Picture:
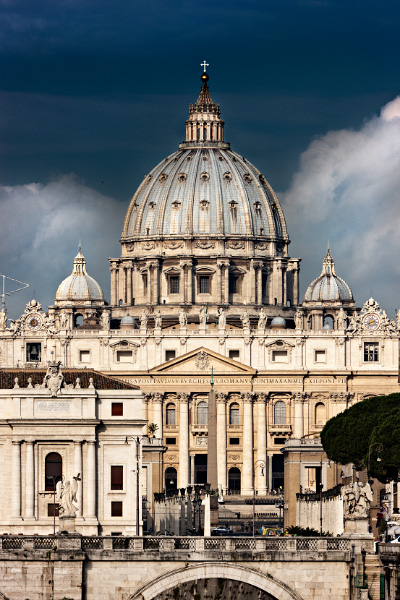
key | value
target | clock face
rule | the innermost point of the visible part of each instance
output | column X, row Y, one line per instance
column 371, row 321
column 34, row 322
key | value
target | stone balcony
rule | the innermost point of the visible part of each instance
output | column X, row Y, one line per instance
column 282, row 546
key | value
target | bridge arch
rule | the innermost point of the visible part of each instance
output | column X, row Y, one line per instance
column 232, row 571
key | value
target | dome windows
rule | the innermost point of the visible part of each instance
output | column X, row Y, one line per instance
column 227, row 176
column 162, row 177
column 182, row 177
column 204, row 177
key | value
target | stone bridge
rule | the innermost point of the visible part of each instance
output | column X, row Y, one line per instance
column 71, row 567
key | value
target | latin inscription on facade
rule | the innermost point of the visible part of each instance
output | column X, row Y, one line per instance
column 56, row 406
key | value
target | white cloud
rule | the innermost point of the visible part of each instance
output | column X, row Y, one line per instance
column 42, row 226
column 347, row 190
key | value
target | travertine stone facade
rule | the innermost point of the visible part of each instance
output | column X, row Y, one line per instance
column 68, row 432
column 205, row 287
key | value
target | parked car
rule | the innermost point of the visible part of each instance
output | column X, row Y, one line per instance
column 221, row 531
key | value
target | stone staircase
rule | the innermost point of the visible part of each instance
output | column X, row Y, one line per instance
column 373, row 569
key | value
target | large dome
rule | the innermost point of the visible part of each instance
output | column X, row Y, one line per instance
column 205, row 188
column 205, row 191
column 328, row 287
column 79, row 286
column 204, row 228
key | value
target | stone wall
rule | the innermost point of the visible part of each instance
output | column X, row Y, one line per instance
column 308, row 513
column 148, row 568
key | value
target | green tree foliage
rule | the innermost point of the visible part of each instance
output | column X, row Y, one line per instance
column 347, row 437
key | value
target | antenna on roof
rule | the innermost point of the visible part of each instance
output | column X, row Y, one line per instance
column 3, row 294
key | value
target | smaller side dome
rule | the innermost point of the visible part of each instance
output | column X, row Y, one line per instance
column 278, row 323
column 127, row 323
column 79, row 286
column 328, row 287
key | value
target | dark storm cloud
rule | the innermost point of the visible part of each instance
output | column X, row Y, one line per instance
column 101, row 89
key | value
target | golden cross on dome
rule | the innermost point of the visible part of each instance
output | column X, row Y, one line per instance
column 204, row 65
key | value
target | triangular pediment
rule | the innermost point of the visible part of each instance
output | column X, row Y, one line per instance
column 202, row 361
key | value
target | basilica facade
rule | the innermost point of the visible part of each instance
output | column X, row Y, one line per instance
column 206, row 295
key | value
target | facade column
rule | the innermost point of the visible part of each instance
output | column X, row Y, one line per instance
column 182, row 283
column 261, row 479
column 149, row 283
column 189, row 295
column 248, row 467
column 114, row 285
column 129, row 283
column 78, row 469
column 121, row 284
column 253, row 289
column 91, row 480
column 16, row 481
column 221, row 440
column 158, row 414
column 298, row 425
column 192, row 469
column 183, row 475
column 29, row 481
column 270, row 471
column 284, row 286
column 296, row 285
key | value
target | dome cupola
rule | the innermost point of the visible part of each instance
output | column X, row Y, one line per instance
column 204, row 227
column 328, row 287
column 79, row 287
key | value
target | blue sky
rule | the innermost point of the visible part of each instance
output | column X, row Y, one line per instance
column 94, row 94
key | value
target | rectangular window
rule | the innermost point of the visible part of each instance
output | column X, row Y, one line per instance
column 279, row 441
column 234, row 354
column 234, row 441
column 169, row 355
column 371, row 352
column 124, row 356
column 144, row 277
column 33, row 352
column 204, row 284
column 84, row 356
column 320, row 356
column 117, row 477
column 233, row 283
column 279, row 356
column 117, row 409
column 53, row 510
column 116, row 509
column 174, row 285
column 170, row 441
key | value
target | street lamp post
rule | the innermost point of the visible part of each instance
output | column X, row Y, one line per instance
column 379, row 449
column 138, row 441
column 262, row 467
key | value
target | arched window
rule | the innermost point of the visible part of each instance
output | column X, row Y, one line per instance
column 170, row 479
column 320, row 413
column 202, row 413
column 78, row 320
column 170, row 416
column 280, row 413
column 52, row 470
column 234, row 477
column 328, row 322
column 234, row 414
